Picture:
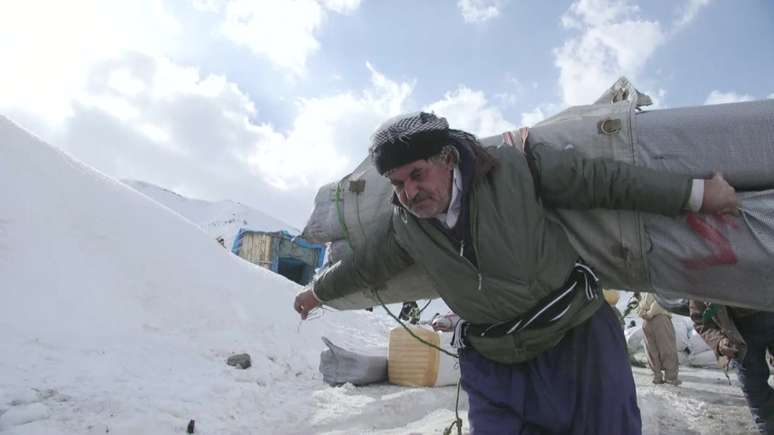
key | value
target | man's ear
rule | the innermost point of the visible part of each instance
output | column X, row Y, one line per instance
column 451, row 160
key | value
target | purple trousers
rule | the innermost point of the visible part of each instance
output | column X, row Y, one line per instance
column 583, row 385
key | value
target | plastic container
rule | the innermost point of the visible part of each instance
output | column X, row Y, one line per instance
column 413, row 363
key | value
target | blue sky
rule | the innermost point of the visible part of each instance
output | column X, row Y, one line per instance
column 264, row 101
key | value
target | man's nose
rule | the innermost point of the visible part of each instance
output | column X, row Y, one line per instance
column 410, row 189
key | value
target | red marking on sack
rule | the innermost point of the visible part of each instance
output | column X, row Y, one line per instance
column 724, row 220
column 508, row 138
column 722, row 252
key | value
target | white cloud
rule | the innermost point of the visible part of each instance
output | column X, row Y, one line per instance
column 208, row 5
column 539, row 113
column 476, row 11
column 162, row 117
column 341, row 6
column 97, row 80
column 687, row 12
column 658, row 98
column 208, row 120
column 281, row 30
column 507, row 99
column 514, row 92
column 326, row 132
column 469, row 110
column 717, row 97
column 771, row 95
column 529, row 119
column 597, row 13
column 147, row 118
column 613, row 42
column 49, row 47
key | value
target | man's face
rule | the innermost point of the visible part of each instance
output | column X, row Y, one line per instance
column 423, row 186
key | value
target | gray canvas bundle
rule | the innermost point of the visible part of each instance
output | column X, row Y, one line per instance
column 736, row 139
column 727, row 260
column 340, row 366
column 690, row 256
column 724, row 259
column 357, row 212
column 323, row 225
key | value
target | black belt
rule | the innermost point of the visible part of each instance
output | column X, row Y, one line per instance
column 550, row 309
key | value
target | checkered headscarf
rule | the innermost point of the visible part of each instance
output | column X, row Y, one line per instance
column 407, row 138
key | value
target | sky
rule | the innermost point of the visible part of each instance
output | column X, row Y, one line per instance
column 262, row 102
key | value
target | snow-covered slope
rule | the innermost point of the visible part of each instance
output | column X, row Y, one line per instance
column 218, row 219
column 117, row 313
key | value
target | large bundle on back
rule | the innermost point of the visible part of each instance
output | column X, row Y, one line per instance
column 724, row 259
column 353, row 215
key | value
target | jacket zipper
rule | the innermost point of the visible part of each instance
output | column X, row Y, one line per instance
column 462, row 254
column 478, row 273
column 473, row 215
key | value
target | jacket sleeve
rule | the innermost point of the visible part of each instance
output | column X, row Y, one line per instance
column 566, row 179
column 708, row 329
column 354, row 273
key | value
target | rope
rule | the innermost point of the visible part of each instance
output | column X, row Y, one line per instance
column 457, row 420
column 340, row 215
column 421, row 340
column 426, row 305
column 359, row 220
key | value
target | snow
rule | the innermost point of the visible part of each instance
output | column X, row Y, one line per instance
column 23, row 414
column 117, row 316
column 218, row 219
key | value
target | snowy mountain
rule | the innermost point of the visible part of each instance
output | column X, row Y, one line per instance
column 117, row 316
column 218, row 219
column 116, row 313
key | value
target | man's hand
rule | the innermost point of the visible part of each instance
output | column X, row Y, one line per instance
column 305, row 302
column 727, row 348
column 719, row 196
column 445, row 323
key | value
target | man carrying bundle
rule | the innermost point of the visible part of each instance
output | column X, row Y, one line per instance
column 540, row 350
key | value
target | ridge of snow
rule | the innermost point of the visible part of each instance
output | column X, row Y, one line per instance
column 114, row 309
column 219, row 218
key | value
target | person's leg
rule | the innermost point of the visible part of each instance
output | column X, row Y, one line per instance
column 602, row 378
column 490, row 386
column 753, row 371
column 667, row 347
column 651, row 349
column 582, row 386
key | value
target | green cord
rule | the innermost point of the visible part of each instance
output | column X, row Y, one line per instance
column 340, row 215
column 457, row 420
column 376, row 293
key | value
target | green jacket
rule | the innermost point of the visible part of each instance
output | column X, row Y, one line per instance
column 522, row 255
